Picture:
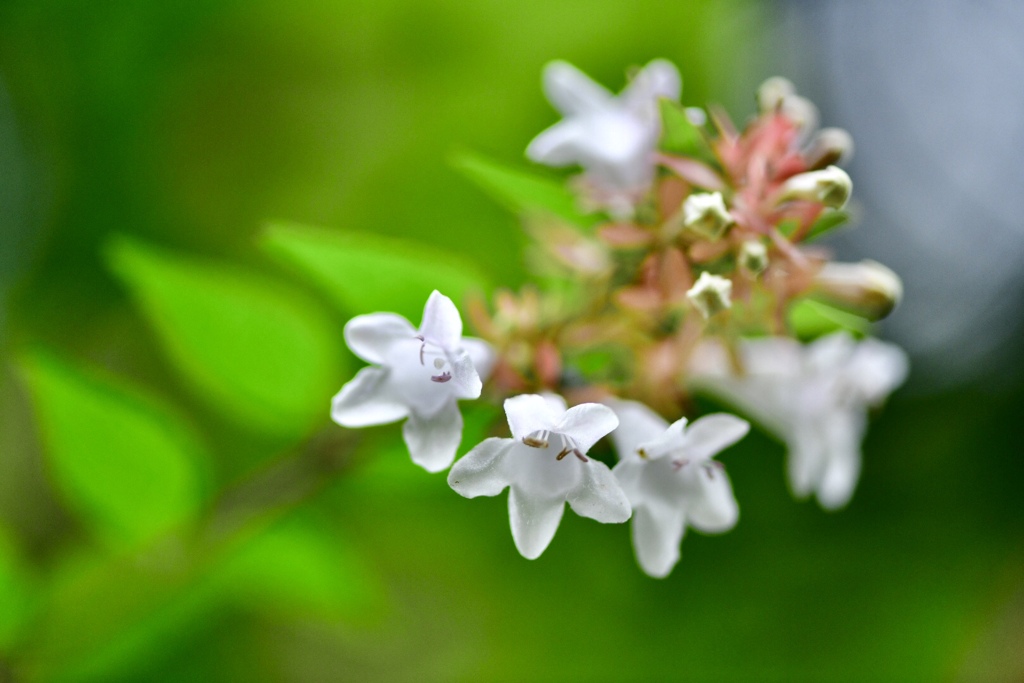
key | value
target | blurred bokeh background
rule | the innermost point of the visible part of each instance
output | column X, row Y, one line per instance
column 155, row 159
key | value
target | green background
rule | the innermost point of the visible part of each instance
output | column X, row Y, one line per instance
column 165, row 321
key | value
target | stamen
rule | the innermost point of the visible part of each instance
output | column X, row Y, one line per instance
column 442, row 378
column 423, row 347
column 538, row 439
column 438, row 363
column 565, row 452
column 680, row 464
column 579, row 455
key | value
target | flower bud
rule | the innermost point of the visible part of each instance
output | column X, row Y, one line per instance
column 831, row 187
column 753, row 257
column 830, row 146
column 710, row 294
column 705, row 214
column 867, row 288
column 773, row 92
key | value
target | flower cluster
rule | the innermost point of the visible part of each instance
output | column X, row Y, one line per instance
column 694, row 271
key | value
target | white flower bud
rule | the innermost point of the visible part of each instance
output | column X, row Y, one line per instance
column 753, row 257
column 831, row 187
column 830, row 146
column 868, row 288
column 710, row 294
column 773, row 92
column 705, row 214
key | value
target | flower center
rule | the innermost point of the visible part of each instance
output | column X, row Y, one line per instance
column 433, row 352
column 543, row 438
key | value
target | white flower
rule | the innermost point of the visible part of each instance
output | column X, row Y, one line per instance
column 544, row 465
column 815, row 398
column 710, row 294
column 830, row 186
column 671, row 481
column 705, row 214
column 612, row 138
column 422, row 374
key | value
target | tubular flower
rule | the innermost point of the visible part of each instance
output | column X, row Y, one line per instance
column 544, row 465
column 418, row 375
column 814, row 398
column 612, row 138
column 668, row 474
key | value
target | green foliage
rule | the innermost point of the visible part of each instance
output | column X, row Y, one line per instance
column 126, row 464
column 679, row 135
column 811, row 319
column 295, row 568
column 523, row 191
column 826, row 223
column 367, row 273
column 255, row 349
column 15, row 591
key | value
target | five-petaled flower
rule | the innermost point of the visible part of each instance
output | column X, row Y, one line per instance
column 421, row 375
column 544, row 465
column 815, row 398
column 612, row 138
column 671, row 481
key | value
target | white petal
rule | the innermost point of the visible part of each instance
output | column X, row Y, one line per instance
column 637, row 424
column 560, row 145
column 715, row 509
column 571, row 91
column 527, row 413
column 369, row 336
column 481, row 472
column 830, row 353
column 629, row 474
column 672, row 439
column 367, row 400
column 877, row 368
column 660, row 78
column 534, row 521
column 776, row 356
column 839, row 481
column 805, row 460
column 441, row 323
column 482, row 355
column 465, row 380
column 433, row 441
column 599, row 496
column 587, row 423
column 656, row 540
column 713, row 433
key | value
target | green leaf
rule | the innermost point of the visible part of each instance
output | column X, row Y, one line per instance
column 366, row 273
column 126, row 464
column 827, row 222
column 679, row 135
column 257, row 351
column 299, row 569
column 15, row 591
column 523, row 191
column 811, row 319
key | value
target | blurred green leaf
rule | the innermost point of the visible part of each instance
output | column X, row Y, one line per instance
column 255, row 349
column 15, row 591
column 679, row 135
column 299, row 569
column 811, row 319
column 126, row 464
column 523, row 191
column 826, row 223
column 366, row 273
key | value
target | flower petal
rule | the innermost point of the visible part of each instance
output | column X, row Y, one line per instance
column 839, row 481
column 877, row 368
column 482, row 354
column 660, row 78
column 637, row 424
column 586, row 423
column 672, row 439
column 572, row 92
column 599, row 496
column 656, row 540
column 714, row 509
column 713, row 433
column 441, row 323
column 560, row 145
column 481, row 472
column 367, row 400
column 629, row 474
column 432, row 441
column 534, row 521
column 527, row 413
column 369, row 336
column 465, row 380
